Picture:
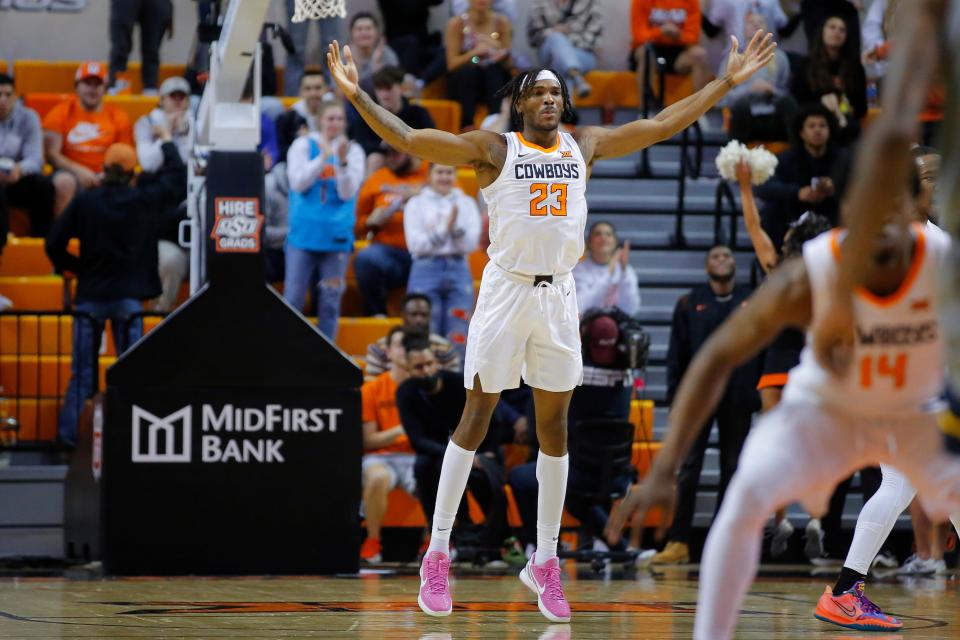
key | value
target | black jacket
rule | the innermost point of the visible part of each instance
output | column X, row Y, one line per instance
column 414, row 115
column 695, row 317
column 118, row 227
column 429, row 420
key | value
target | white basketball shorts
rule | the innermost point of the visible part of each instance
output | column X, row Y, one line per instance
column 521, row 330
column 800, row 450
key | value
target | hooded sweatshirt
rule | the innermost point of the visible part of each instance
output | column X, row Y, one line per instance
column 21, row 139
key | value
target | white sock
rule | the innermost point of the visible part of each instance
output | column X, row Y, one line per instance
column 877, row 518
column 552, row 480
column 457, row 463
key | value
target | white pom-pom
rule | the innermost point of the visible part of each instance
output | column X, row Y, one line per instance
column 762, row 162
column 762, row 165
column 729, row 157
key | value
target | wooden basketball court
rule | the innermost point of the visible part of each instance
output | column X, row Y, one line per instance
column 487, row 606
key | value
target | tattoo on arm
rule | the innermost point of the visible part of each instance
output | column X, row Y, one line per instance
column 387, row 125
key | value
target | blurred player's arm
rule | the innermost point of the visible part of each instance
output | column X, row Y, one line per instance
column 471, row 148
column 880, row 174
column 599, row 142
column 782, row 301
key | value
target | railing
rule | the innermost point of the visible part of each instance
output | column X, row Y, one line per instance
column 688, row 167
column 36, row 348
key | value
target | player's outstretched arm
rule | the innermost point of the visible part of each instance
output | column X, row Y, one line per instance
column 434, row 145
column 637, row 135
column 782, row 301
column 881, row 171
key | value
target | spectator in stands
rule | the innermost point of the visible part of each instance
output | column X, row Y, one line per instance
column 155, row 18
column 761, row 109
column 416, row 314
column 477, row 44
column 118, row 226
column 78, row 131
column 388, row 91
column 442, row 226
column 325, row 171
column 806, row 174
column 815, row 12
column 566, row 33
column 388, row 457
column 877, row 29
column 330, row 29
column 419, row 51
column 605, row 278
column 301, row 118
column 22, row 183
column 672, row 28
column 371, row 53
column 728, row 18
column 385, row 263
column 834, row 76
column 695, row 317
column 431, row 402
column 171, row 119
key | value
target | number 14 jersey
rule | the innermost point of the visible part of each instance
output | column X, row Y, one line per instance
column 538, row 207
column 897, row 367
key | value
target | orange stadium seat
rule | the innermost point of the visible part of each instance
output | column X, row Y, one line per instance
column 478, row 261
column 445, row 113
column 37, row 418
column 3, row 66
column 33, row 293
column 641, row 416
column 51, row 76
column 354, row 334
column 467, row 181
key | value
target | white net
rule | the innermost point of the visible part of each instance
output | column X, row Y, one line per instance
column 317, row 9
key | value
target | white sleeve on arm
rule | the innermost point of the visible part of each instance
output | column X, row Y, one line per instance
column 590, row 292
column 302, row 172
column 350, row 178
column 149, row 152
column 420, row 240
column 872, row 29
column 629, row 291
column 468, row 225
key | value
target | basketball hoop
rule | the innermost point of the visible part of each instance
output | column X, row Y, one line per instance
column 318, row 9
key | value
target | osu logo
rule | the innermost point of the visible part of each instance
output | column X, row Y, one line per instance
column 157, row 439
column 236, row 228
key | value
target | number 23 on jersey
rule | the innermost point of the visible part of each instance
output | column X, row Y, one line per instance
column 548, row 198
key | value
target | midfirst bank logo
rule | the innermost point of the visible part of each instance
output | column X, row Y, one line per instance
column 230, row 434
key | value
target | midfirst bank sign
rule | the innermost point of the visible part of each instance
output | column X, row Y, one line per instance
column 229, row 434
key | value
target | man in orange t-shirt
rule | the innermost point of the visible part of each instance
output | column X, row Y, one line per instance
column 673, row 28
column 388, row 459
column 385, row 263
column 78, row 131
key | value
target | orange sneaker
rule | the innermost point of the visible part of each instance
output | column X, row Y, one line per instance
column 370, row 551
column 854, row 610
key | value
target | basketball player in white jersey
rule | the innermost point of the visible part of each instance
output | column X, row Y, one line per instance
column 525, row 324
column 825, row 427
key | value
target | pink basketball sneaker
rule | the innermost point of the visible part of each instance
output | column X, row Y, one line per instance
column 544, row 580
column 434, row 598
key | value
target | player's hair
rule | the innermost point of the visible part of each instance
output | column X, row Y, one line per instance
column 360, row 15
column 6, row 79
column 716, row 245
column 810, row 111
column 410, row 297
column 806, row 227
column 918, row 151
column 518, row 88
column 388, row 77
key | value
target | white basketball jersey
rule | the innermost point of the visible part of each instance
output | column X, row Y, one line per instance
column 538, row 207
column 898, row 364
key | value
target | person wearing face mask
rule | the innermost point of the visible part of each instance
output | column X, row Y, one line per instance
column 325, row 171
column 442, row 226
column 430, row 403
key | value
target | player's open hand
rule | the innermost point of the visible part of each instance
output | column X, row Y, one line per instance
column 833, row 334
column 343, row 70
column 757, row 55
column 658, row 489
